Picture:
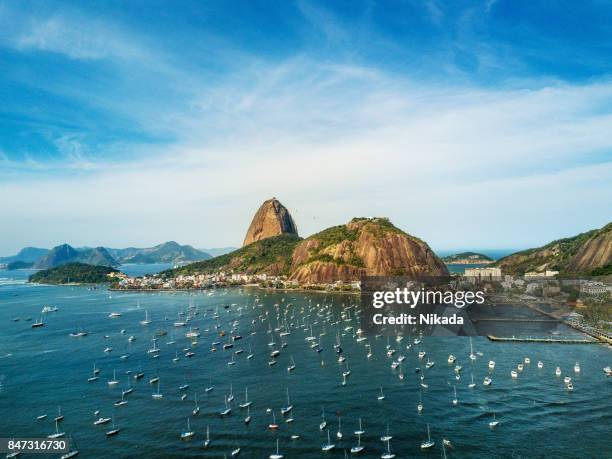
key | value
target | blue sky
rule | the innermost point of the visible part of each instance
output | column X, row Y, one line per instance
column 469, row 124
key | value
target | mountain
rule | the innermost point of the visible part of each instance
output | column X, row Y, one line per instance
column 467, row 258
column 215, row 252
column 271, row 219
column 19, row 265
column 168, row 252
column 27, row 254
column 587, row 253
column 73, row 273
column 65, row 253
column 271, row 255
column 364, row 246
column 371, row 246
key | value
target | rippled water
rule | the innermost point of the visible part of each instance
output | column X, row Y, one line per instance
column 43, row 368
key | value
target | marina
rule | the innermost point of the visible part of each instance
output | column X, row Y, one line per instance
column 332, row 391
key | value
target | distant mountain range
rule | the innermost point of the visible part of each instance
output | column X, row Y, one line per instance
column 168, row 252
column 65, row 253
column 27, row 255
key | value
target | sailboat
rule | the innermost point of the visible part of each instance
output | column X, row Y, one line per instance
column 196, row 410
column 227, row 410
column 381, row 396
column 289, row 407
column 94, row 376
column 387, row 436
column 329, row 445
column 455, row 401
column 207, row 441
column 323, row 423
column 494, row 422
column 231, row 395
column 472, row 384
column 59, row 416
column 273, row 425
column 487, row 381
column 339, row 433
column 57, row 433
column 429, row 443
column 577, row 368
column 121, row 402
column 113, row 381
column 360, row 431
column 72, row 452
column 420, row 405
column 291, row 366
column 188, row 433
column 472, row 355
column 114, row 430
column 247, row 419
column 157, row 395
column 210, row 387
column 276, row 455
column 146, row 321
column 246, row 403
column 358, row 447
column 388, row 454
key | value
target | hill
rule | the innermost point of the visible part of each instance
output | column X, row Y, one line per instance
column 467, row 258
column 587, row 253
column 79, row 273
column 19, row 265
column 271, row 219
column 168, row 252
column 270, row 256
column 364, row 246
column 27, row 254
column 65, row 253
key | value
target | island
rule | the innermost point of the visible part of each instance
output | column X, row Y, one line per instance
column 74, row 273
column 467, row 258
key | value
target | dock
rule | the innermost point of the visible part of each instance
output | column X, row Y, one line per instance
column 543, row 340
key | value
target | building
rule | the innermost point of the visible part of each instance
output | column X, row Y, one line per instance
column 484, row 273
column 594, row 288
column 545, row 275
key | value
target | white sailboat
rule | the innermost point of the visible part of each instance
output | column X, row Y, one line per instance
column 455, row 400
column 246, row 403
column 429, row 443
column 113, row 381
column 360, row 431
column 207, row 441
column 146, row 321
column 329, row 445
column 188, row 433
column 157, row 395
column 339, row 433
column 494, row 422
column 227, row 410
column 289, row 407
column 472, row 384
column 388, row 454
column 323, row 423
column 276, row 455
column 381, row 396
column 57, row 433
column 196, row 410
column 114, row 431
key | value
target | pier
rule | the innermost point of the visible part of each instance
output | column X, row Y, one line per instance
column 543, row 340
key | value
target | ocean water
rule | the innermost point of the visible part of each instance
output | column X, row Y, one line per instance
column 41, row 369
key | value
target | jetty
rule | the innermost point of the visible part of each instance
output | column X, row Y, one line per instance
column 514, row 339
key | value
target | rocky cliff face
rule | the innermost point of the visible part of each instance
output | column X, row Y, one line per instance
column 580, row 254
column 271, row 219
column 363, row 246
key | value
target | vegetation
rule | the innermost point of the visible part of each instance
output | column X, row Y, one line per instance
column 80, row 273
column 555, row 255
column 603, row 271
column 471, row 256
column 271, row 255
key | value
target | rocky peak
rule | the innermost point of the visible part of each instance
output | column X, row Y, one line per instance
column 271, row 219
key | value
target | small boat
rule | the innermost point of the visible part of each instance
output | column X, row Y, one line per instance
column 472, row 384
column 455, row 400
column 72, row 452
column 114, row 431
column 146, row 320
column 207, row 441
column 387, row 436
column 286, row 409
column 227, row 410
column 291, row 366
column 188, row 433
column 451, row 359
column 388, row 454
column 57, row 433
column 235, row 452
column 101, row 420
column 429, row 443
column 491, row 364
column 514, row 374
column 323, row 423
column 157, row 395
column 114, row 314
column 527, row 360
column 94, row 376
column 113, row 382
column 577, row 368
column 381, row 396
column 247, row 418
column 558, row 371
column 276, row 455
column 273, row 425
column 38, row 324
column 494, row 422
column 519, row 367
column 59, row 416
column 339, row 433
column 540, row 364
column 360, row 431
column 487, row 381
column 196, row 410
column 329, row 445
column 41, row 417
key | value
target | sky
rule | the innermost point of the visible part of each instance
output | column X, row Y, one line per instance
column 472, row 125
